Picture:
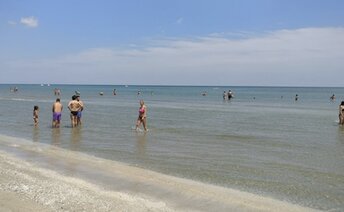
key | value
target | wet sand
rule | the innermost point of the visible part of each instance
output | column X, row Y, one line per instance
column 51, row 179
column 25, row 187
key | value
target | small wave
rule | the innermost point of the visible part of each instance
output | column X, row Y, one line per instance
column 27, row 100
column 23, row 100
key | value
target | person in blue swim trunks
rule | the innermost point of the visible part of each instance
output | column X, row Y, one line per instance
column 80, row 111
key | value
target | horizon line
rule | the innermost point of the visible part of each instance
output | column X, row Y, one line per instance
column 172, row 85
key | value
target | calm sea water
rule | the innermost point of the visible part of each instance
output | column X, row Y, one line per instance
column 262, row 141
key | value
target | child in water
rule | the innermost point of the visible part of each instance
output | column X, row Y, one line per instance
column 35, row 115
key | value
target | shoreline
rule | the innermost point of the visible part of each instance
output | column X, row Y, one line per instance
column 29, row 186
column 61, row 180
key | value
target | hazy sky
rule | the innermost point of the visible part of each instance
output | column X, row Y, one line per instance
column 176, row 42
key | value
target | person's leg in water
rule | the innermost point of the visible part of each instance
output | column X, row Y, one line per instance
column 144, row 123
column 78, row 119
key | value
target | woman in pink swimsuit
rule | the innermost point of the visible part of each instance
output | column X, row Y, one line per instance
column 142, row 116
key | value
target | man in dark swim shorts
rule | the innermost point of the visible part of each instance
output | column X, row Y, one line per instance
column 74, row 113
column 74, row 106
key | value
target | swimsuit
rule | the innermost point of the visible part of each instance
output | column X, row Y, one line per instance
column 57, row 116
column 141, row 112
column 74, row 113
column 79, row 114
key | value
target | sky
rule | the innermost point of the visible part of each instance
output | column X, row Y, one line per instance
column 173, row 42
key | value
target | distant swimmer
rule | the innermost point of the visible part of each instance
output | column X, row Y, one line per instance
column 204, row 93
column 296, row 97
column 14, row 90
column 57, row 92
column 101, row 93
column 57, row 112
column 224, row 95
column 333, row 97
column 341, row 113
column 142, row 116
column 35, row 115
column 74, row 106
column 230, row 94
column 138, row 92
column 114, row 92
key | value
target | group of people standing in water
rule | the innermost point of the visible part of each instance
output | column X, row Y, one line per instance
column 76, row 106
column 227, row 95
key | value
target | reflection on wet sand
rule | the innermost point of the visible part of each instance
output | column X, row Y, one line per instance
column 56, row 136
column 75, row 138
column 35, row 134
column 141, row 144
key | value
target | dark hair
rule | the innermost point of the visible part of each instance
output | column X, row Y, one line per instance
column 342, row 103
column 35, row 107
column 58, row 100
column 73, row 97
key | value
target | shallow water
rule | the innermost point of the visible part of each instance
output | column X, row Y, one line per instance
column 262, row 141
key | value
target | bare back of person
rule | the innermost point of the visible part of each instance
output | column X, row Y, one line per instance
column 57, row 113
column 57, row 107
column 74, row 107
column 81, row 104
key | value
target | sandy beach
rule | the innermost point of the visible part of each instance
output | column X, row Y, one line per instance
column 51, row 179
column 25, row 187
column 172, row 105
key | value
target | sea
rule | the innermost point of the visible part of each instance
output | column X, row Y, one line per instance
column 261, row 141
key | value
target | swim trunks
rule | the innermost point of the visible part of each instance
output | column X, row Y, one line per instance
column 74, row 113
column 57, row 116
